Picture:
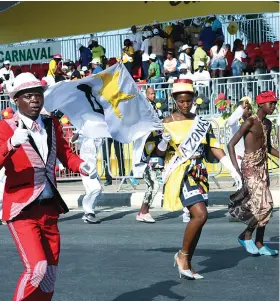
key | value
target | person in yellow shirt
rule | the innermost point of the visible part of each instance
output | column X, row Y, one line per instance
column 97, row 51
column 53, row 64
column 170, row 42
column 54, row 69
column 199, row 56
column 127, row 55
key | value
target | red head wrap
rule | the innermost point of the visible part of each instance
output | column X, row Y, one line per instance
column 264, row 97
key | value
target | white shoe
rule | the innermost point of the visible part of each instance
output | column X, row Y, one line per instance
column 146, row 218
column 186, row 217
column 197, row 276
column 186, row 273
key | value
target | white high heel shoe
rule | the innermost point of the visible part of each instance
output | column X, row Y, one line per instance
column 186, row 273
column 197, row 276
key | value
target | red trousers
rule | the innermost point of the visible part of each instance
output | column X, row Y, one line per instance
column 37, row 238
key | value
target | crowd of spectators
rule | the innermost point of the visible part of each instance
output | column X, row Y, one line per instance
column 189, row 49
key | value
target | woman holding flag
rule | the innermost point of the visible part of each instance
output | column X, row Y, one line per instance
column 188, row 140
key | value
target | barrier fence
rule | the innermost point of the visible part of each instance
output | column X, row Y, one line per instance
column 119, row 164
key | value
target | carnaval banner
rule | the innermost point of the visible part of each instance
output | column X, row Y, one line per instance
column 29, row 54
column 16, row 25
column 107, row 104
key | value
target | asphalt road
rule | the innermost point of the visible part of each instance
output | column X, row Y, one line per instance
column 124, row 260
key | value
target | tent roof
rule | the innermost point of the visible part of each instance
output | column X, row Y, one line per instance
column 49, row 19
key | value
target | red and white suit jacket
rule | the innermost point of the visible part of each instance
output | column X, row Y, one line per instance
column 26, row 171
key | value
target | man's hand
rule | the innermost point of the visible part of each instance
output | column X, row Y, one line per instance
column 20, row 135
column 87, row 169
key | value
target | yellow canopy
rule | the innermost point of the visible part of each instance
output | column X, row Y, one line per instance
column 32, row 20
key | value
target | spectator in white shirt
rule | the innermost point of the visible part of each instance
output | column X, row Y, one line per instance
column 170, row 66
column 145, row 52
column 239, row 56
column 218, row 59
column 202, row 76
column 157, row 46
column 7, row 76
column 234, row 122
column 136, row 40
column 185, row 72
column 185, row 57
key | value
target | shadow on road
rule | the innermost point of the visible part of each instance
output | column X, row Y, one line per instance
column 217, row 259
column 71, row 217
column 151, row 292
column 118, row 215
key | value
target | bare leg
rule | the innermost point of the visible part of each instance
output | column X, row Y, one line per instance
column 213, row 73
column 192, row 233
column 144, row 208
column 221, row 73
column 247, row 234
column 259, row 237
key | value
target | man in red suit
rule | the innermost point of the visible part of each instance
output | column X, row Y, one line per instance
column 29, row 146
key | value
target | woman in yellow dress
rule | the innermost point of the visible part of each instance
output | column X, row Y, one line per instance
column 189, row 139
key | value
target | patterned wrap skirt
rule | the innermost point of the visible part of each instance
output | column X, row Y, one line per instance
column 256, row 206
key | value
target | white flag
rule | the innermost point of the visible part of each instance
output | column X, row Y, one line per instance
column 107, row 104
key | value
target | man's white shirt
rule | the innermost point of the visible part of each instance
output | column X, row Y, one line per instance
column 40, row 139
column 136, row 40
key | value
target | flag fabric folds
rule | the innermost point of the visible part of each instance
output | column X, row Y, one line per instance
column 107, row 104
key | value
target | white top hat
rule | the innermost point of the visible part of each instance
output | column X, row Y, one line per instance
column 84, row 68
column 155, row 31
column 95, row 61
column 7, row 62
column 152, row 56
column 196, row 22
column 184, row 47
column 25, row 81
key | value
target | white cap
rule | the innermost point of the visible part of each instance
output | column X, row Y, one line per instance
column 64, row 67
column 155, row 31
column 152, row 56
column 82, row 73
column 145, row 34
column 186, row 46
column 149, row 33
column 69, row 73
column 183, row 66
column 95, row 61
column 84, row 68
column 208, row 24
column 211, row 16
column 79, row 45
column 196, row 21
column 155, row 23
column 7, row 62
column 201, row 64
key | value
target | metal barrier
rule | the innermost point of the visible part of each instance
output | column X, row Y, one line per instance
column 233, row 87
